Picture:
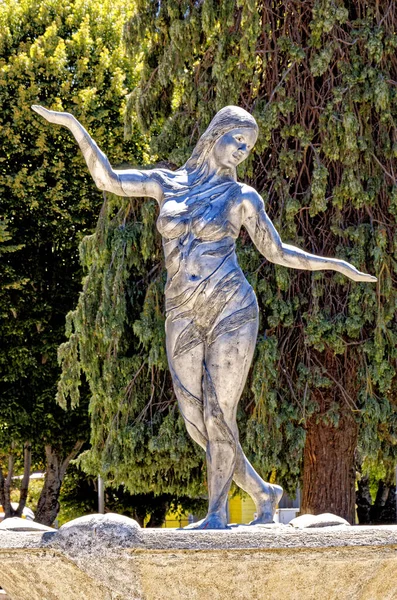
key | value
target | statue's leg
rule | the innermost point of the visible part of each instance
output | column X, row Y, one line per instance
column 187, row 373
column 228, row 361
column 265, row 495
column 187, row 376
column 204, row 420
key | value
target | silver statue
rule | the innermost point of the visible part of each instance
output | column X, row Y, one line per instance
column 212, row 312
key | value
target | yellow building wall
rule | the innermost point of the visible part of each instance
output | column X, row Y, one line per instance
column 175, row 519
column 235, row 509
column 241, row 509
column 248, row 509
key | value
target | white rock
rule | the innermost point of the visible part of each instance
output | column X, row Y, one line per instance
column 18, row 524
column 323, row 520
column 98, row 529
column 96, row 521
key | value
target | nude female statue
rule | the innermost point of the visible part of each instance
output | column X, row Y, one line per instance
column 212, row 312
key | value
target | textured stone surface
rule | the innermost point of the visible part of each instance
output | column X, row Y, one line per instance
column 98, row 560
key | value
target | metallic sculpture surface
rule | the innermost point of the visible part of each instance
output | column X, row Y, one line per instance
column 212, row 312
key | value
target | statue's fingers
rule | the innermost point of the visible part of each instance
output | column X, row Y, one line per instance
column 37, row 108
column 52, row 116
column 43, row 112
column 366, row 277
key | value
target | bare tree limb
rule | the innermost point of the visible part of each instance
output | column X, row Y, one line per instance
column 7, row 485
column 70, row 456
column 27, row 463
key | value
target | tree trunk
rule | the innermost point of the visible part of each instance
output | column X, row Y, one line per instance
column 2, row 490
column 383, row 510
column 23, row 494
column 139, row 514
column 48, row 504
column 157, row 516
column 388, row 514
column 363, row 501
column 384, row 505
column 6, row 483
column 8, row 510
column 329, row 467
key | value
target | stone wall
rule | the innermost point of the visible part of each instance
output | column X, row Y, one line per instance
column 112, row 559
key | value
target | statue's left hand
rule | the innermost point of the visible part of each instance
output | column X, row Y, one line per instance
column 363, row 277
column 354, row 274
column 53, row 116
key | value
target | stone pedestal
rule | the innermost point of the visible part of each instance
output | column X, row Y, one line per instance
column 100, row 560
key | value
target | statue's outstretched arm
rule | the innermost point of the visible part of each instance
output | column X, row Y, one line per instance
column 268, row 242
column 123, row 183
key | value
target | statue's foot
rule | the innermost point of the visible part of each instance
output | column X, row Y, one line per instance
column 213, row 521
column 267, row 504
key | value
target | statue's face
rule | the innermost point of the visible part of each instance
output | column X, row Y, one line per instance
column 233, row 147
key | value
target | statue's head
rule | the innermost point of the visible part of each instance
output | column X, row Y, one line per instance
column 226, row 142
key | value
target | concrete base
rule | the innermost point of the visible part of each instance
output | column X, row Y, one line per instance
column 246, row 563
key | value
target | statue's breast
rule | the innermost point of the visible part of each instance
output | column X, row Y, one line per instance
column 208, row 215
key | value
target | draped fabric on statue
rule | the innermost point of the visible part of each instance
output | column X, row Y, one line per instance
column 205, row 284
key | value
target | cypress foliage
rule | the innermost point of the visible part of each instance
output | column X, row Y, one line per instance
column 320, row 77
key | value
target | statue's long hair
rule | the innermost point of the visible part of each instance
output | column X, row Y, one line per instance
column 225, row 120
column 195, row 169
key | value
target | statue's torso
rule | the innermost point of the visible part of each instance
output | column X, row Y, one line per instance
column 199, row 230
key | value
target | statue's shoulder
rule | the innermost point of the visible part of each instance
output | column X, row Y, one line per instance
column 250, row 197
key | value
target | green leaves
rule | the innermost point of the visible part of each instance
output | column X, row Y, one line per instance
column 320, row 62
column 318, row 189
column 326, row 15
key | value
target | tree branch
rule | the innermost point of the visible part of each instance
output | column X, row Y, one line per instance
column 2, row 491
column 27, row 463
column 70, row 456
column 7, row 485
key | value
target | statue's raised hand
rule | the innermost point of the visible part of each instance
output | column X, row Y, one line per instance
column 353, row 273
column 363, row 277
column 102, row 173
column 54, row 116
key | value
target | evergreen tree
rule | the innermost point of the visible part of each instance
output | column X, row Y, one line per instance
column 67, row 57
column 320, row 78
